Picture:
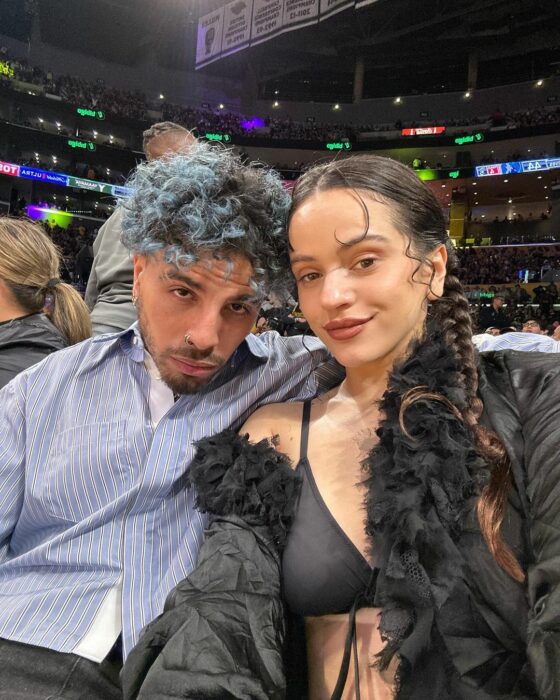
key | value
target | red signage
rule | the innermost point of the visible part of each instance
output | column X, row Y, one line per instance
column 9, row 169
column 423, row 131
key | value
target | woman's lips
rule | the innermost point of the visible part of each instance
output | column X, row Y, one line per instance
column 193, row 369
column 345, row 328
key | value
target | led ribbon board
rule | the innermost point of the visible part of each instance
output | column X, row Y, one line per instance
column 224, row 138
column 85, row 145
column 469, row 138
column 338, row 146
column 16, row 170
column 423, row 131
column 92, row 113
column 517, row 167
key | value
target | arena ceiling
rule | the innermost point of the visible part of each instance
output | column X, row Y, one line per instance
column 408, row 46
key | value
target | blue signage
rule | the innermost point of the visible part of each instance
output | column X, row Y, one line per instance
column 45, row 175
column 522, row 166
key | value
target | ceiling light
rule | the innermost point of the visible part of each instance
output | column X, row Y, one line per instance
column 337, row 106
column 468, row 93
column 539, row 177
column 276, row 92
column 546, row 197
column 506, row 180
column 397, row 100
column 539, row 83
column 161, row 96
column 510, row 201
column 220, row 106
column 483, row 216
column 276, row 103
column 546, row 187
column 40, row 120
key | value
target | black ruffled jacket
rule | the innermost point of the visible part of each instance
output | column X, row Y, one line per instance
column 462, row 628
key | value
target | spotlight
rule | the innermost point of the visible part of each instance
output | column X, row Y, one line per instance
column 276, row 103
column 467, row 94
column 539, row 83
column 397, row 100
column 220, row 106
column 161, row 96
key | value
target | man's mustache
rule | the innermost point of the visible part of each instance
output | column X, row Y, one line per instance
column 196, row 356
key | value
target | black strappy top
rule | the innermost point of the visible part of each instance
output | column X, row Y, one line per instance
column 323, row 572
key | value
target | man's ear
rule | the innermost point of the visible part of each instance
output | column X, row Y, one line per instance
column 439, row 269
column 139, row 265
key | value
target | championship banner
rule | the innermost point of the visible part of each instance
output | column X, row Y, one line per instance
column 331, row 7
column 209, row 37
column 300, row 13
column 242, row 23
column 267, row 20
column 237, row 26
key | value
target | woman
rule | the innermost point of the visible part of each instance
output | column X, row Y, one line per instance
column 423, row 553
column 29, row 282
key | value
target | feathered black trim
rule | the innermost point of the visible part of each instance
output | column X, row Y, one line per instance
column 420, row 488
column 233, row 476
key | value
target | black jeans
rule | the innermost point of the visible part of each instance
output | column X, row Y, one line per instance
column 35, row 673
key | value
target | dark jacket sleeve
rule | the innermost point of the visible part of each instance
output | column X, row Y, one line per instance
column 528, row 385
column 222, row 632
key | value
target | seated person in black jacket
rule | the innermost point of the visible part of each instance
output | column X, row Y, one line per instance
column 423, row 550
column 29, row 281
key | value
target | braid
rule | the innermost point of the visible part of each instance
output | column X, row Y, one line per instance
column 452, row 314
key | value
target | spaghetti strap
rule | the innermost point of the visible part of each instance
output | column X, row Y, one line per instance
column 304, row 430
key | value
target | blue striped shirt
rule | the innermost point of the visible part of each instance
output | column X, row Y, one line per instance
column 90, row 491
column 526, row 342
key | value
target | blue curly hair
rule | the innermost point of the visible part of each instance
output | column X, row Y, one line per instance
column 208, row 202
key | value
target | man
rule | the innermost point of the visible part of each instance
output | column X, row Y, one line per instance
column 533, row 326
column 96, row 523
column 494, row 315
column 109, row 289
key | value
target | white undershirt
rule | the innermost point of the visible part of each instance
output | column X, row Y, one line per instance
column 107, row 624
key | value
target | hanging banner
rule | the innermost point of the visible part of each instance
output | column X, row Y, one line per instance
column 300, row 13
column 267, row 20
column 331, row 7
column 242, row 23
column 237, row 26
column 209, row 37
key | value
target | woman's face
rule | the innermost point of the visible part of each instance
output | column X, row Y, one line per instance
column 360, row 299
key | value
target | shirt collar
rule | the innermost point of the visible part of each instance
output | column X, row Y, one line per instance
column 132, row 345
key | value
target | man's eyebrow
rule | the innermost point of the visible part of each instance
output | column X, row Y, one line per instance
column 375, row 237
column 179, row 277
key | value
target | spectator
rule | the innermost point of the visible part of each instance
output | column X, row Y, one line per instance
column 494, row 315
column 109, row 289
column 533, row 326
column 29, row 285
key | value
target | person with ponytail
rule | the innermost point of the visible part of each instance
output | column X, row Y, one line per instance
column 421, row 557
column 38, row 312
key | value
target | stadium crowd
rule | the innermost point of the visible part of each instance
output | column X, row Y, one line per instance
column 135, row 105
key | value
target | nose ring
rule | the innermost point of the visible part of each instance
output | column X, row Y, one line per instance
column 188, row 340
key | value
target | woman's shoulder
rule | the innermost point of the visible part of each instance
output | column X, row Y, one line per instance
column 278, row 422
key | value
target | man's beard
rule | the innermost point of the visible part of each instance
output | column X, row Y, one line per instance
column 177, row 382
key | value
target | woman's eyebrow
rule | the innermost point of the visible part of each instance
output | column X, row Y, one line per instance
column 375, row 237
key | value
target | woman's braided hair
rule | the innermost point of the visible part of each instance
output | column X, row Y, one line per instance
column 416, row 213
